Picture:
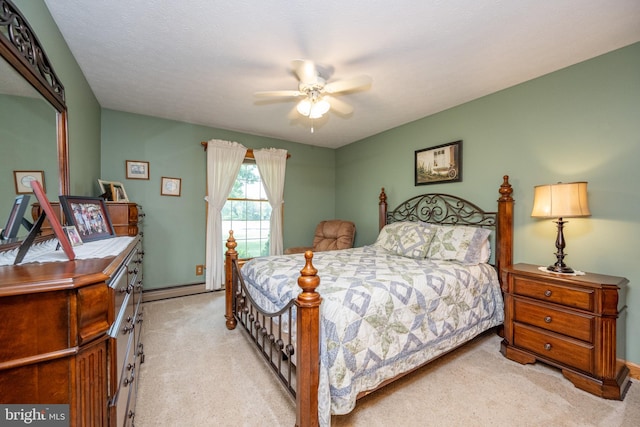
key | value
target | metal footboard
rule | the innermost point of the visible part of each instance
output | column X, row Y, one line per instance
column 266, row 330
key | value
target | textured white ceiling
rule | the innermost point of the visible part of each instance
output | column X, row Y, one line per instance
column 200, row 61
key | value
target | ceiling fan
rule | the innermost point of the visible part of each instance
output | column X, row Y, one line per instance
column 316, row 92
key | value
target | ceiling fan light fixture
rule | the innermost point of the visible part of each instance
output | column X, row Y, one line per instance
column 313, row 109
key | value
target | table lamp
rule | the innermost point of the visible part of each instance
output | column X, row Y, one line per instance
column 561, row 200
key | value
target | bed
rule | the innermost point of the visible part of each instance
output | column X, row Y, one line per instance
column 427, row 285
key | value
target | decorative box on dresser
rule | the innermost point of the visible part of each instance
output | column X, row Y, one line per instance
column 573, row 322
column 71, row 332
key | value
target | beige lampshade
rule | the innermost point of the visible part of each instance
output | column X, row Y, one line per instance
column 561, row 200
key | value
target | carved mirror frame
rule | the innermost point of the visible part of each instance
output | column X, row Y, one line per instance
column 20, row 47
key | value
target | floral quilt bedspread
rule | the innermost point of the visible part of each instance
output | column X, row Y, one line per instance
column 381, row 314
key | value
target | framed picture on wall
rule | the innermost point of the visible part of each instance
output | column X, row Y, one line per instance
column 89, row 215
column 137, row 169
column 23, row 180
column 170, row 186
column 439, row 164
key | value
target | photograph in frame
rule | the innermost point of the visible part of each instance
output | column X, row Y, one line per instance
column 439, row 164
column 16, row 217
column 72, row 234
column 113, row 191
column 137, row 169
column 89, row 215
column 23, row 179
column 170, row 186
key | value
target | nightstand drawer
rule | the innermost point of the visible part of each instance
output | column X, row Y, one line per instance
column 564, row 350
column 575, row 325
column 582, row 298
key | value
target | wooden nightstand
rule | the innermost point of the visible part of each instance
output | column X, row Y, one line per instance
column 576, row 323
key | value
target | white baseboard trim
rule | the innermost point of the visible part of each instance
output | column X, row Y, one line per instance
column 173, row 292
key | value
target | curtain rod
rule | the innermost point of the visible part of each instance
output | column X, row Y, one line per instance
column 248, row 155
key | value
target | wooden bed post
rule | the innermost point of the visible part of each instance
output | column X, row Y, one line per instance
column 382, row 210
column 230, row 256
column 504, row 244
column 308, row 345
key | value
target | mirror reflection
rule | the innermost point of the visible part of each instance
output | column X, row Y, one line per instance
column 28, row 141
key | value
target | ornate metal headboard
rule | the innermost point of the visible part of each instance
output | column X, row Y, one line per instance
column 452, row 210
column 442, row 209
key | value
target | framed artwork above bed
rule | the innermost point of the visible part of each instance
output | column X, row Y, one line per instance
column 439, row 164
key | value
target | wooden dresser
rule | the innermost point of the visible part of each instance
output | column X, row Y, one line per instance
column 71, row 333
column 576, row 323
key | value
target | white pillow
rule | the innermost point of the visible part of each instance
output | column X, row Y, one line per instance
column 408, row 239
column 467, row 245
column 485, row 253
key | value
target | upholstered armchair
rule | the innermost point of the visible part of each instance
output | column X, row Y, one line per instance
column 330, row 235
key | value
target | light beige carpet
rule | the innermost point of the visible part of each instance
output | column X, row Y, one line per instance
column 197, row 373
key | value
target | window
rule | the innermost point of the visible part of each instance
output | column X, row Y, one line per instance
column 247, row 213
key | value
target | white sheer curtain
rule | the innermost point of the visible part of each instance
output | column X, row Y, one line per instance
column 272, row 163
column 224, row 159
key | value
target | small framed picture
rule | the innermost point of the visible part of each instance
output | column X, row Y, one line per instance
column 89, row 215
column 439, row 164
column 113, row 191
column 23, row 180
column 72, row 234
column 170, row 186
column 137, row 169
column 16, row 216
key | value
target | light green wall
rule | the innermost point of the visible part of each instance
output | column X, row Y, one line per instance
column 174, row 227
column 580, row 123
column 27, row 126
column 83, row 108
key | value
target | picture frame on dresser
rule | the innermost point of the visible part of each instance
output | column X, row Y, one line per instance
column 113, row 191
column 89, row 215
column 73, row 235
column 35, row 230
column 16, row 218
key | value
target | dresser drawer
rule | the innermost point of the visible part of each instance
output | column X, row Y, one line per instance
column 567, row 351
column 582, row 298
column 573, row 324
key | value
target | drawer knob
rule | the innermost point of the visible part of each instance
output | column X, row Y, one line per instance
column 547, row 293
column 547, row 319
column 547, row 346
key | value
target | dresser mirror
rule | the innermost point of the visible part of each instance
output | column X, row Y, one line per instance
column 33, row 115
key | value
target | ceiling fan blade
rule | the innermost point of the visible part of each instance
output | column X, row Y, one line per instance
column 359, row 82
column 339, row 106
column 278, row 94
column 305, row 70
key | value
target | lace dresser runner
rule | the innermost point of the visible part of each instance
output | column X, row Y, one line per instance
column 48, row 251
